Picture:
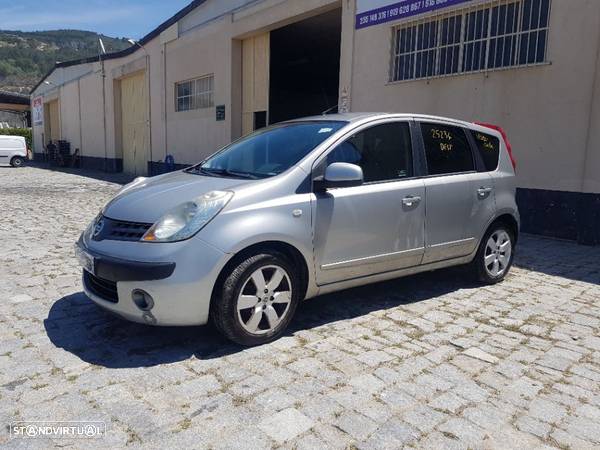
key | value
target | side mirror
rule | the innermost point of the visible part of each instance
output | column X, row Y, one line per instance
column 338, row 175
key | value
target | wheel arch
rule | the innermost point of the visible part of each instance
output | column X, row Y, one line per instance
column 285, row 248
column 16, row 157
column 508, row 220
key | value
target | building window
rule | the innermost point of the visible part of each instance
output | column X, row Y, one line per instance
column 194, row 94
column 505, row 33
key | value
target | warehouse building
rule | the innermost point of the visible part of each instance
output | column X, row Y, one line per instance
column 220, row 69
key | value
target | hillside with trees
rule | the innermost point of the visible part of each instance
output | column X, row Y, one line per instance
column 25, row 57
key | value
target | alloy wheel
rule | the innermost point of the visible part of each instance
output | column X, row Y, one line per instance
column 498, row 252
column 264, row 300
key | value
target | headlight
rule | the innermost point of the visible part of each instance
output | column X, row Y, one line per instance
column 187, row 219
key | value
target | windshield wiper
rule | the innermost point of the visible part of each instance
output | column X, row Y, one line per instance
column 224, row 173
column 247, row 175
column 200, row 170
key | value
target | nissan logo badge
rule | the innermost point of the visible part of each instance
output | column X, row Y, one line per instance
column 98, row 227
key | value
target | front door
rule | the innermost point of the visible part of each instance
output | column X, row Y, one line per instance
column 379, row 226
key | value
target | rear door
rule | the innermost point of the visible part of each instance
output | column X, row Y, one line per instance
column 487, row 154
column 378, row 226
column 454, row 207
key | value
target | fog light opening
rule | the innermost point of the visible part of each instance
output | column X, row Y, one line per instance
column 142, row 300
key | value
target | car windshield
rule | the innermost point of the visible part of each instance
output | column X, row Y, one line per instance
column 270, row 151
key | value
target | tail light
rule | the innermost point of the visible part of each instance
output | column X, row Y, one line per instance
column 504, row 138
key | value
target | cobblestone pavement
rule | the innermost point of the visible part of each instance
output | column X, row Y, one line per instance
column 429, row 361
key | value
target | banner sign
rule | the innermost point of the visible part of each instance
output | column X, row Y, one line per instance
column 37, row 111
column 375, row 12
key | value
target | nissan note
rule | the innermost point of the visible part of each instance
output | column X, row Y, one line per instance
column 301, row 209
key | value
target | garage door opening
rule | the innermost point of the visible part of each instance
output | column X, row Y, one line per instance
column 134, row 124
column 305, row 67
column 51, row 122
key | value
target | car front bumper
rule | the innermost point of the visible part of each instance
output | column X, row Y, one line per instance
column 178, row 278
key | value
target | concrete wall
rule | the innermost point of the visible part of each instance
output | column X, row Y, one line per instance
column 544, row 109
column 591, row 178
column 70, row 113
column 192, row 135
column 92, row 123
column 209, row 11
column 213, row 47
column 551, row 112
column 63, row 85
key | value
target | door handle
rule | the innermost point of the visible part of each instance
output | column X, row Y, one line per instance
column 410, row 200
column 483, row 191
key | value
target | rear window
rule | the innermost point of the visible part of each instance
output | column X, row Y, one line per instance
column 489, row 149
column 447, row 149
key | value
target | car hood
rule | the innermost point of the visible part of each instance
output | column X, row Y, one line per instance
column 148, row 201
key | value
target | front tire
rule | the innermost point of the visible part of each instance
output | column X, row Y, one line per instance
column 257, row 299
column 495, row 255
column 17, row 161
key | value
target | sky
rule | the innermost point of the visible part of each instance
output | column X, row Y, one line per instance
column 116, row 18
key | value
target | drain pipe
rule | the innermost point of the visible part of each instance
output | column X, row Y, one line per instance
column 104, row 114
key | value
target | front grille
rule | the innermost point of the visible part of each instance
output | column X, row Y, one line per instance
column 105, row 289
column 128, row 231
column 118, row 230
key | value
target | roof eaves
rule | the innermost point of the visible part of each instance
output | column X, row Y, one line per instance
column 13, row 98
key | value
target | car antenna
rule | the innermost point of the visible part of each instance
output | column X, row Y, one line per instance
column 327, row 111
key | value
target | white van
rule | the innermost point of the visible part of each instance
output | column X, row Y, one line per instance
column 13, row 150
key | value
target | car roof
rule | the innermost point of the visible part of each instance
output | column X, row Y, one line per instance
column 10, row 136
column 358, row 117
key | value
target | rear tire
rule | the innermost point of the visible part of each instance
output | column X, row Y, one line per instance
column 17, row 161
column 257, row 299
column 495, row 255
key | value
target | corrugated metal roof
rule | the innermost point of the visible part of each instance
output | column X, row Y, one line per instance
column 13, row 98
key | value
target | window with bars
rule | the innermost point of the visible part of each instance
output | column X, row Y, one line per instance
column 503, row 33
column 194, row 94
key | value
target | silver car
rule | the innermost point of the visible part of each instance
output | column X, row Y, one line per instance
column 301, row 209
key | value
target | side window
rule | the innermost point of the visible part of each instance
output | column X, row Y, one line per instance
column 384, row 152
column 447, row 149
column 489, row 148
